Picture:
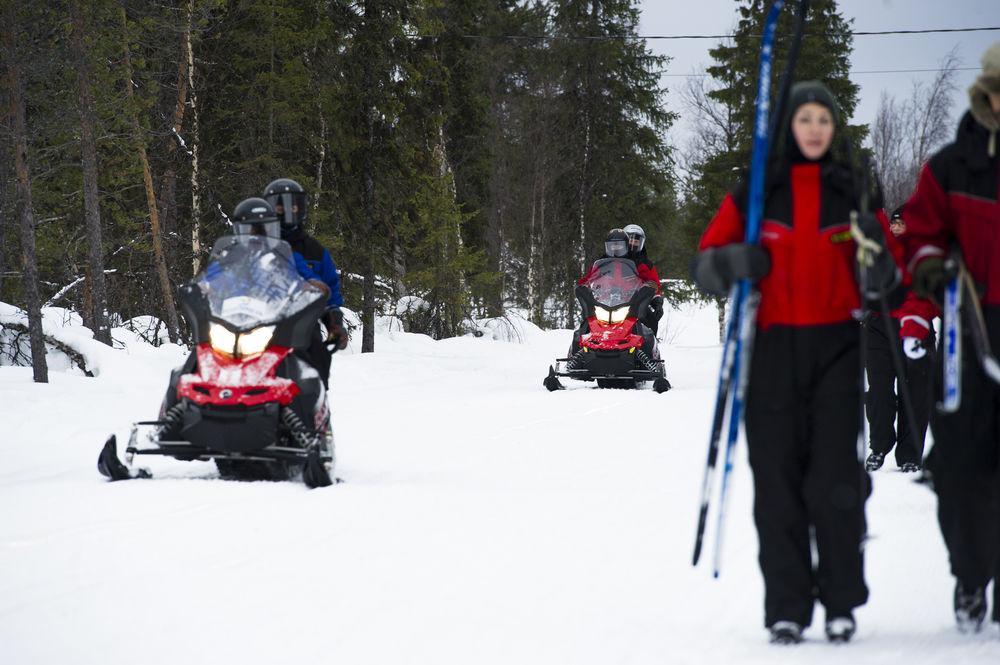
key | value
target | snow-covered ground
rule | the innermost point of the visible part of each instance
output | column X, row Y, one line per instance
column 483, row 520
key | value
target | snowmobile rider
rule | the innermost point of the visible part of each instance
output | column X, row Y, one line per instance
column 637, row 253
column 616, row 246
column 803, row 399
column 290, row 205
column 954, row 205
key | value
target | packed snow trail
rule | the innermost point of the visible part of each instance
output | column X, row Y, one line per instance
column 483, row 520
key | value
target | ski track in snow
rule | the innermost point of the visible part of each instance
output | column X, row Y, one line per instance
column 483, row 520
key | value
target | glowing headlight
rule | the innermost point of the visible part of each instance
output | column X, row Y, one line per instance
column 619, row 314
column 254, row 342
column 222, row 339
column 602, row 314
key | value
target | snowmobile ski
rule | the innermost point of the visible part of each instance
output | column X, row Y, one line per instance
column 111, row 467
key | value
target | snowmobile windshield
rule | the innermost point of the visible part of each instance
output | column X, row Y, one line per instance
column 251, row 281
column 614, row 282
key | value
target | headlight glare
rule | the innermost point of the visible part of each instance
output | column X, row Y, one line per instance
column 254, row 342
column 602, row 314
column 619, row 314
column 222, row 339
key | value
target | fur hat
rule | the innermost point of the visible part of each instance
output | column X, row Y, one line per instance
column 979, row 102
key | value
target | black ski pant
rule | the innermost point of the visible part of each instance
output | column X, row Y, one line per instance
column 802, row 420
column 966, row 471
column 884, row 399
column 317, row 355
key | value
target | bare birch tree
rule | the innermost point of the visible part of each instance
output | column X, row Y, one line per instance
column 905, row 133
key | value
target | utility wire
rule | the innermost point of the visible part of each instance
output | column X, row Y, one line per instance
column 608, row 38
column 860, row 71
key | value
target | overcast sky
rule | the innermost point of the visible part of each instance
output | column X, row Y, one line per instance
column 877, row 52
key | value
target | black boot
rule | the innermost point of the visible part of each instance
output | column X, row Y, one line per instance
column 786, row 632
column 875, row 461
column 970, row 608
column 840, row 628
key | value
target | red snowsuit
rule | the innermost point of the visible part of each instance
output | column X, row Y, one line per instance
column 956, row 201
column 803, row 399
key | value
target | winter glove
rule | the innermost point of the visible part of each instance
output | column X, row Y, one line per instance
column 877, row 270
column 929, row 278
column 336, row 334
column 716, row 270
column 914, row 348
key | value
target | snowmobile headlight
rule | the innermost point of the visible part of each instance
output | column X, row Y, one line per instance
column 602, row 314
column 254, row 342
column 222, row 339
column 619, row 314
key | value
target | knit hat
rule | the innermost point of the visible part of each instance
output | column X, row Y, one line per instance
column 805, row 92
column 979, row 102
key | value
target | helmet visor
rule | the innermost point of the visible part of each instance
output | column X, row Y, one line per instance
column 636, row 241
column 616, row 248
column 257, row 228
column 290, row 208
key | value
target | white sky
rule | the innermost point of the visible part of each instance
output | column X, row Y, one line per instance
column 877, row 52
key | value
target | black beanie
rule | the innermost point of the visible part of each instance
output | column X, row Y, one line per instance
column 804, row 92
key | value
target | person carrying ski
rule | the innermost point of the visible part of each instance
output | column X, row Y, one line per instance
column 289, row 201
column 955, row 205
column 803, row 399
column 911, row 323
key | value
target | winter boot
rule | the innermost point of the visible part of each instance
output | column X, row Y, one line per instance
column 970, row 608
column 909, row 467
column 840, row 628
column 786, row 632
column 875, row 461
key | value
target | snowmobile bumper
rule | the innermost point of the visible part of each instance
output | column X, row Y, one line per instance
column 623, row 365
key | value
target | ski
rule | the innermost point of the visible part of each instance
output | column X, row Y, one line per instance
column 952, row 347
column 731, row 389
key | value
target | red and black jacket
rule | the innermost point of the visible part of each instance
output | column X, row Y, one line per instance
column 956, row 200
column 806, row 231
column 647, row 273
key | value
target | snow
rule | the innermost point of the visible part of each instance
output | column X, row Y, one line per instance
column 483, row 520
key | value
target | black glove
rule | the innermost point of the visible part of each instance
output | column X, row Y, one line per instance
column 877, row 270
column 336, row 335
column 929, row 278
column 716, row 270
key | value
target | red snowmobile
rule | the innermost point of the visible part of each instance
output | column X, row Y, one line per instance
column 615, row 348
column 243, row 398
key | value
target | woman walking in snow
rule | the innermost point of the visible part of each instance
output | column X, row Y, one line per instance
column 804, row 395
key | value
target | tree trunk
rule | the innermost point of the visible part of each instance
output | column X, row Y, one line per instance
column 168, row 191
column 39, row 367
column 195, row 186
column 166, row 292
column 368, row 194
column 368, row 286
column 96, row 303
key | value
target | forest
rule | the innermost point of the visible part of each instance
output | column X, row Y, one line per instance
column 462, row 159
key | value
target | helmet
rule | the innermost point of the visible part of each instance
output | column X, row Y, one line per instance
column 616, row 243
column 636, row 237
column 289, row 201
column 255, row 217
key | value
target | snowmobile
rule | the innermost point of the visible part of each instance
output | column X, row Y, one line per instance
column 243, row 398
column 615, row 348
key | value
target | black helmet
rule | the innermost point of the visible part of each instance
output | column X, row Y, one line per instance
column 616, row 243
column 255, row 217
column 289, row 201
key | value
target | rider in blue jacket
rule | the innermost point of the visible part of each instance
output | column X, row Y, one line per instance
column 289, row 201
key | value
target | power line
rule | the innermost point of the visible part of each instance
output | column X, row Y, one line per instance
column 608, row 38
column 860, row 71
